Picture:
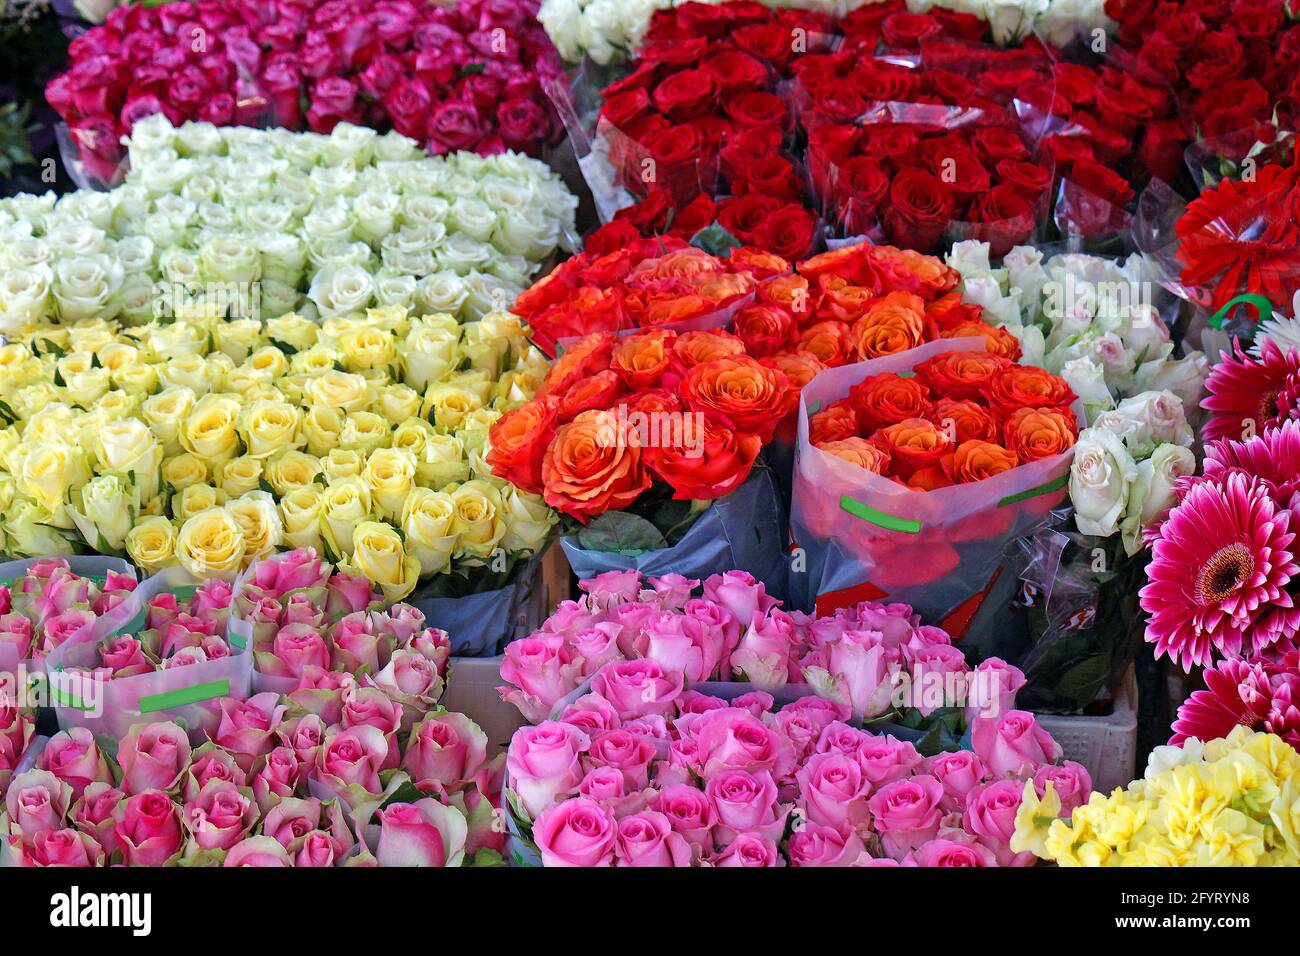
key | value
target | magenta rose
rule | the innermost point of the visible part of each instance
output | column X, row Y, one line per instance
column 1012, row 743
column 648, row 839
column 816, row 845
column 153, row 757
column 73, row 757
column 907, row 813
column 749, row 849
column 149, row 830
column 454, row 126
column 544, row 763
column 577, row 832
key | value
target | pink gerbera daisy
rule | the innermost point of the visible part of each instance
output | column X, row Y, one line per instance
column 1220, row 563
column 1273, row 458
column 1236, row 692
column 1248, row 394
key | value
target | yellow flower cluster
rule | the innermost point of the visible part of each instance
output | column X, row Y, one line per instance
column 208, row 442
column 1230, row 802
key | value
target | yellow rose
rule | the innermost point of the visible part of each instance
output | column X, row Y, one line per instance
column 238, row 475
column 197, row 498
column 44, row 472
column 428, row 353
column 443, row 462
column 183, row 470
column 211, row 545
column 28, row 531
column 237, row 337
column 246, row 383
column 340, row 464
column 177, row 339
column 389, row 318
column 103, row 510
column 259, row 519
column 152, row 544
column 427, row 517
column 188, row 371
column 316, row 361
column 87, row 386
column 269, row 427
column 115, row 405
column 478, row 523
column 390, row 476
column 293, row 330
column 268, row 361
column 9, row 439
column 348, row 391
column 129, row 447
column 290, row 470
column 447, row 405
column 209, row 431
column 344, row 505
column 18, row 368
column 57, row 423
column 300, row 512
column 90, row 335
column 367, row 348
column 528, row 520
column 490, row 341
column 514, row 388
column 137, row 379
column 116, row 356
column 322, row 428
column 397, row 403
column 364, row 432
column 381, row 557
column 165, row 413
column 31, row 399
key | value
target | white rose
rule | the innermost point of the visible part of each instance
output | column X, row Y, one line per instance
column 1088, row 381
column 970, row 257
column 1154, row 491
column 1184, row 377
column 1100, row 478
column 339, row 291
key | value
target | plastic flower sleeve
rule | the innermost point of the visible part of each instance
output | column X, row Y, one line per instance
column 187, row 695
column 861, row 536
column 481, row 624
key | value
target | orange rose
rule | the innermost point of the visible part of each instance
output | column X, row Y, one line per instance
column 949, row 311
column 964, row 420
column 757, row 262
column 860, row 452
column 959, row 374
column 670, row 308
column 593, row 465
column 932, row 477
column 891, row 325
column 839, row 299
column 887, row 399
column 740, row 394
column 1035, row 433
column 651, row 401
column 799, row 367
column 640, row 359
column 790, row 292
column 685, row 263
column 912, row 444
column 1025, row 386
column 765, row 329
column 695, row 348
column 704, row 467
column 581, row 359
column 847, row 262
column 977, row 460
column 833, row 423
column 830, row 342
column 597, row 391
column 583, row 312
column 998, row 341
column 913, row 271
column 725, row 287
column 518, row 441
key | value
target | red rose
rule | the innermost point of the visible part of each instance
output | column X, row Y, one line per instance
column 996, row 145
column 1003, row 218
column 789, row 232
column 1102, row 182
column 518, row 441
column 744, row 217
column 861, row 187
column 611, row 237
column 704, row 466
column 695, row 215
column 676, row 146
column 685, row 92
column 454, row 126
column 772, row 176
column 333, row 100
column 732, row 71
column 650, row 215
column 1065, row 151
column 957, row 167
column 889, row 141
column 1013, row 387
column 623, row 109
column 523, row 124
column 756, row 108
column 408, row 104
column 1029, row 179
column 921, row 206
column 219, row 110
column 1075, row 83
column 1219, row 58
column 887, row 399
column 835, row 422
column 907, row 30
column 1163, row 146
column 765, row 41
column 765, row 329
column 283, row 81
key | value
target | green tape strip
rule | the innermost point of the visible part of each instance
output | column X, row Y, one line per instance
column 235, row 640
column 1046, row 489
column 67, row 700
column 1264, row 306
column 879, row 518
column 186, row 695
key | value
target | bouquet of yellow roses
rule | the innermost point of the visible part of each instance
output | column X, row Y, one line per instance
column 208, row 442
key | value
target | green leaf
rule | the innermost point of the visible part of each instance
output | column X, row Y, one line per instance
column 470, row 69
column 266, row 486
column 406, row 793
column 486, row 857
column 715, row 240
column 284, row 347
column 623, row 532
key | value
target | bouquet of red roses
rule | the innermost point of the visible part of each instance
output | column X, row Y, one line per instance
column 466, row 76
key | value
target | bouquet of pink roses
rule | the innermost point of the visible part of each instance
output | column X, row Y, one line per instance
column 47, row 602
column 305, row 620
column 318, row 778
column 875, row 659
column 640, row 772
column 17, row 725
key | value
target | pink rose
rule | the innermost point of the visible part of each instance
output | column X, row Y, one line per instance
column 895, row 621
column 960, row 771
column 627, row 753
column 596, row 646
column 886, row 759
column 124, row 656
column 290, row 820
column 543, row 670
column 834, row 791
column 684, row 644
column 454, row 126
column 764, row 655
column 577, row 832
column 301, row 609
column 606, row 786
column 638, row 687
column 907, row 813
column 990, row 816
column 295, row 647
column 292, row 571
column 212, row 600
column 647, row 839
column 745, row 802
column 64, row 847
column 407, row 102
column 612, row 588
column 857, row 673
column 210, row 762
column 184, row 657
column 402, row 621
column 651, row 727
column 424, row 833
column 153, row 757
column 570, row 617
column 220, row 816
column 434, row 645
column 66, row 626
column 304, row 736
column 1012, row 743
column 259, row 851
column 322, row 692
column 37, row 800
column 757, row 702
column 1003, row 683
column 693, row 702
column 16, row 631
column 544, row 763
column 672, row 591
column 953, row 853
column 277, row 778
column 839, row 737
column 96, row 813
column 372, row 707
column 73, row 757
column 749, row 849
column 410, row 678
column 348, row 594
column 716, row 620
column 149, row 831
column 1071, row 781
column 932, row 670
column 689, row 812
column 739, row 593
column 245, row 728
column 632, row 618
column 735, row 740
column 320, row 850
column 444, row 749
column 161, row 611
column 817, row 845
column 591, row 713
column 355, row 756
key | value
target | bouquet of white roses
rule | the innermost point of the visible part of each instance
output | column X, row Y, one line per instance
column 208, row 442
column 267, row 222
column 1091, row 320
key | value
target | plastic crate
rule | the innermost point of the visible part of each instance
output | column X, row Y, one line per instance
column 472, row 690
column 1107, row 745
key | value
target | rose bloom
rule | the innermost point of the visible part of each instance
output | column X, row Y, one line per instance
column 518, row 441
column 860, row 452
column 833, row 423
column 830, row 342
column 1026, row 386
column 593, row 465
column 581, row 359
column 887, row 399
column 890, row 325
column 1035, row 433
column 740, row 394
column 960, row 375
column 977, row 460
column 708, row 466
column 799, row 367
column 912, row 445
column 997, row 341
column 964, row 419
column 640, row 360
column 695, row 348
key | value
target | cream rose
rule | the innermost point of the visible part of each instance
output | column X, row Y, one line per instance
column 211, row 544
